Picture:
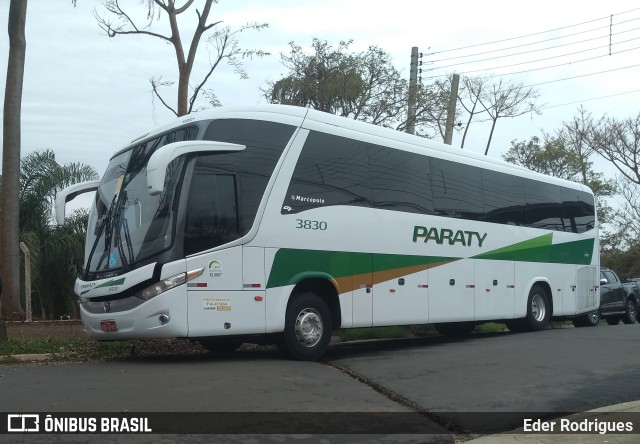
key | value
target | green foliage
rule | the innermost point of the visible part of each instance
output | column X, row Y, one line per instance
column 63, row 349
column 362, row 85
column 550, row 158
column 403, row 331
column 56, row 251
column 624, row 260
column 490, row 327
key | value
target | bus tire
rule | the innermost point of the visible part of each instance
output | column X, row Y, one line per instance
column 455, row 329
column 307, row 330
column 538, row 309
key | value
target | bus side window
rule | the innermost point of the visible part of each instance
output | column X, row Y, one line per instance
column 400, row 180
column 504, row 201
column 331, row 170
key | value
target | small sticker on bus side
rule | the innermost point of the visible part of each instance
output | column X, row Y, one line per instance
column 216, row 304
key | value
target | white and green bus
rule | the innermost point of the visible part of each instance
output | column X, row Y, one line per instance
column 281, row 224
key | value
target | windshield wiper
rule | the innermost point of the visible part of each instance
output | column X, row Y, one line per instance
column 105, row 225
column 124, row 225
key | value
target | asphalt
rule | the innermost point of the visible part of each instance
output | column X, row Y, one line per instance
column 625, row 415
column 621, row 415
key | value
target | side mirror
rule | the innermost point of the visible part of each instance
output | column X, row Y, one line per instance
column 162, row 157
column 603, row 281
column 71, row 193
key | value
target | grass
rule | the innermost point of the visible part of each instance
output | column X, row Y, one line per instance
column 357, row 334
column 60, row 349
column 84, row 350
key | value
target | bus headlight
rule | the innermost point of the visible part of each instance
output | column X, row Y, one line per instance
column 160, row 287
column 166, row 284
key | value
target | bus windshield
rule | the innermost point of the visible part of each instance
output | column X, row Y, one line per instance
column 127, row 224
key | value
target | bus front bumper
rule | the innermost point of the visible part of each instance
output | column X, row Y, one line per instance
column 164, row 316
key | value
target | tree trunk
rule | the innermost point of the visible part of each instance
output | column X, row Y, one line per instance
column 9, row 223
column 493, row 126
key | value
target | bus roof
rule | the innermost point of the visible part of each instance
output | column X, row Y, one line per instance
column 301, row 114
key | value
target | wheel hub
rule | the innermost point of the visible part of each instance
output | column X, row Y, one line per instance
column 538, row 309
column 309, row 327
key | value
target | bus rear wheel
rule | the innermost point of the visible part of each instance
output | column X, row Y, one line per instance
column 538, row 312
column 307, row 330
column 538, row 309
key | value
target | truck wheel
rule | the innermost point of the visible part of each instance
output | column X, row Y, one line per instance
column 589, row 320
column 613, row 320
column 307, row 330
column 538, row 309
column 592, row 319
column 631, row 312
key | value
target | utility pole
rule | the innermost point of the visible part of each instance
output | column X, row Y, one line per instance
column 413, row 91
column 451, row 109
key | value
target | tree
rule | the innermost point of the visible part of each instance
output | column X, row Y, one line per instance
column 558, row 157
column 224, row 41
column 472, row 90
column 56, row 252
column 9, row 206
column 550, row 157
column 505, row 99
column 359, row 85
column 617, row 141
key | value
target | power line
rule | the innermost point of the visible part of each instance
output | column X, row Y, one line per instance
column 608, row 26
column 583, row 75
column 572, row 103
column 529, row 35
column 593, row 98
column 567, row 63
column 544, row 49
column 544, row 67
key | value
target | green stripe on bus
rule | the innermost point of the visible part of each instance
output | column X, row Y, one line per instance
column 289, row 265
column 541, row 249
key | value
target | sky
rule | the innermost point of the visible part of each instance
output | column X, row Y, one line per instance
column 86, row 95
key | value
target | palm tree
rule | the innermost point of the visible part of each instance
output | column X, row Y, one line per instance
column 56, row 251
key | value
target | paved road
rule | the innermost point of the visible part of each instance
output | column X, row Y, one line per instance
column 561, row 370
column 458, row 384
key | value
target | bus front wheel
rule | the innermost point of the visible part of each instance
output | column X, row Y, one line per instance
column 307, row 331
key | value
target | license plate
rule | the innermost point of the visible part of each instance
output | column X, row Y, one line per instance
column 108, row 325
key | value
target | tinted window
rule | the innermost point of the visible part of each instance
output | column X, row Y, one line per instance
column 253, row 167
column 544, row 205
column 335, row 170
column 578, row 210
column 609, row 276
column 212, row 209
column 331, row 170
column 457, row 190
column 400, row 180
column 503, row 198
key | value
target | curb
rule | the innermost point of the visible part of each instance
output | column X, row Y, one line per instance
column 32, row 357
